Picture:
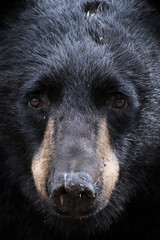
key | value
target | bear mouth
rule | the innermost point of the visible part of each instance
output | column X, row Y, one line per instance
column 78, row 215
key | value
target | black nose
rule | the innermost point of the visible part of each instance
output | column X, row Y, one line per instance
column 73, row 194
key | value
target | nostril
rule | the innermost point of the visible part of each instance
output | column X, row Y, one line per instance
column 87, row 193
column 59, row 191
column 59, row 195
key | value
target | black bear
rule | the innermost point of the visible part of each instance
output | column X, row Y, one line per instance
column 79, row 120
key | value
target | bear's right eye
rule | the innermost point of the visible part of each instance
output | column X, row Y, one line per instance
column 34, row 102
column 38, row 102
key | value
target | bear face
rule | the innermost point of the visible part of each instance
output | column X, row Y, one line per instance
column 79, row 96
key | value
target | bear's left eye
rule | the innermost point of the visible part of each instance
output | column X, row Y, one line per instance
column 119, row 103
column 116, row 101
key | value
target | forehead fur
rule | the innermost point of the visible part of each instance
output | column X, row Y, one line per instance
column 77, row 19
column 72, row 43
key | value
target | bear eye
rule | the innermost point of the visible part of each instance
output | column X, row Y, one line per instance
column 39, row 102
column 119, row 103
column 34, row 102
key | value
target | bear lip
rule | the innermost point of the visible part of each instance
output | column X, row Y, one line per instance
column 76, row 215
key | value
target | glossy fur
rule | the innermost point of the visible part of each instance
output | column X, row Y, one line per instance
column 77, row 56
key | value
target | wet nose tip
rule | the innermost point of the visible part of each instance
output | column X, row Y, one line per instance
column 75, row 185
column 73, row 192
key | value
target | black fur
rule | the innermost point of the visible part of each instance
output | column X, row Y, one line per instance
column 79, row 53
